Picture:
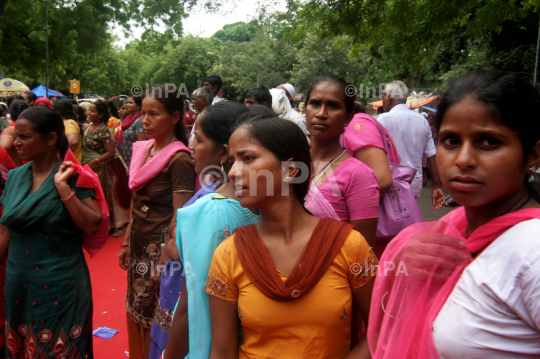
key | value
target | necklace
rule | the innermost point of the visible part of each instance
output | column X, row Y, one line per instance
column 520, row 206
column 327, row 166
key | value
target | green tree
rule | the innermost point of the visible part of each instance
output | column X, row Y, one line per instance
column 263, row 61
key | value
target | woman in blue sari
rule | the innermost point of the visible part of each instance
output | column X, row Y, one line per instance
column 213, row 215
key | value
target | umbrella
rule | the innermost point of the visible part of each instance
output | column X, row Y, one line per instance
column 12, row 87
column 40, row 91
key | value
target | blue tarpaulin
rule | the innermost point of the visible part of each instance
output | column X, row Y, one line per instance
column 40, row 91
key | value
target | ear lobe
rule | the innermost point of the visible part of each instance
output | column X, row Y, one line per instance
column 533, row 159
column 176, row 117
column 225, row 151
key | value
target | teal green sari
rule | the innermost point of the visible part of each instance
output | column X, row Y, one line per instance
column 48, row 296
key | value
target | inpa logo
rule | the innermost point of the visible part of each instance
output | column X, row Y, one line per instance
column 7, row 83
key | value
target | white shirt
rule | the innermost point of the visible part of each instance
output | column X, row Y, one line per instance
column 217, row 99
column 413, row 139
column 494, row 310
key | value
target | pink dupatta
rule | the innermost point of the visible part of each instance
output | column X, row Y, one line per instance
column 407, row 299
column 89, row 179
column 318, row 205
column 140, row 172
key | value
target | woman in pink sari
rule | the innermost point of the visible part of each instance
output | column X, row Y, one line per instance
column 468, row 285
column 343, row 188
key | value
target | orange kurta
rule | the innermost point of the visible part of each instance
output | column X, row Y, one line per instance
column 315, row 325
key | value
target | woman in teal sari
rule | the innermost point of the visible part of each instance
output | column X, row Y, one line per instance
column 48, row 296
column 201, row 227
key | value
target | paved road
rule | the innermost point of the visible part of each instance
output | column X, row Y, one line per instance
column 429, row 212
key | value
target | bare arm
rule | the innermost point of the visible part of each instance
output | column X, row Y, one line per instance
column 86, row 214
column 368, row 229
column 73, row 139
column 178, row 343
column 375, row 158
column 224, row 317
column 362, row 297
column 7, row 138
column 437, row 196
column 179, row 199
column 123, row 257
column 4, row 243
column 110, row 146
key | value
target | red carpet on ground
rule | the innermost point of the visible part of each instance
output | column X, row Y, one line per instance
column 109, row 285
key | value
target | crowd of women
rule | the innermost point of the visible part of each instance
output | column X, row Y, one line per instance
column 250, row 242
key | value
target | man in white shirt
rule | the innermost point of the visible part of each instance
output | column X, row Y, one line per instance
column 213, row 83
column 412, row 136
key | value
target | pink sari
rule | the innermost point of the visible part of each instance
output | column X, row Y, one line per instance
column 318, row 205
column 411, row 289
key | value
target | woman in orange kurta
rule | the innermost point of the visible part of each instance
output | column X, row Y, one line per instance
column 294, row 281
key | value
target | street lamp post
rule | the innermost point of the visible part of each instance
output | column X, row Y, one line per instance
column 211, row 53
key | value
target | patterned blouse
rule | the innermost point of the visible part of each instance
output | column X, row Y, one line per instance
column 97, row 139
column 129, row 136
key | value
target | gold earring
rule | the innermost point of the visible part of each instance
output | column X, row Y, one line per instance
column 223, row 169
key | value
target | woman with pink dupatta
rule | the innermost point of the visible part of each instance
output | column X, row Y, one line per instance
column 468, row 285
column 162, row 179
column 131, row 130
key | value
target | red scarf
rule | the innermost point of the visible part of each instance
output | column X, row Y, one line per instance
column 323, row 246
column 128, row 121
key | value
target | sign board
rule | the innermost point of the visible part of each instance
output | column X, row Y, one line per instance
column 74, row 86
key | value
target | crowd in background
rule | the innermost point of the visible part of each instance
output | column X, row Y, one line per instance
column 271, row 233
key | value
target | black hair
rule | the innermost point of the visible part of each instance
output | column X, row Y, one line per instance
column 240, row 99
column 80, row 113
column 16, row 108
column 102, row 109
column 342, row 83
column 284, row 139
column 359, row 108
column 217, row 122
column 31, row 96
column 214, row 80
column 173, row 102
column 380, row 109
column 3, row 106
column 261, row 110
column 46, row 121
column 224, row 91
column 261, row 94
column 13, row 98
column 112, row 108
column 500, row 90
column 64, row 107
column 138, row 100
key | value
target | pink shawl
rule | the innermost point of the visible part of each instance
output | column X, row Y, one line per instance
column 43, row 99
column 126, row 123
column 140, row 172
column 318, row 205
column 413, row 283
column 89, row 179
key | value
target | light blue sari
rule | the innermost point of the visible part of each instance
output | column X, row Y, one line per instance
column 201, row 227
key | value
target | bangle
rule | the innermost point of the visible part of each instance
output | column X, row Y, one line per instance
column 97, row 160
column 124, row 245
column 68, row 197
